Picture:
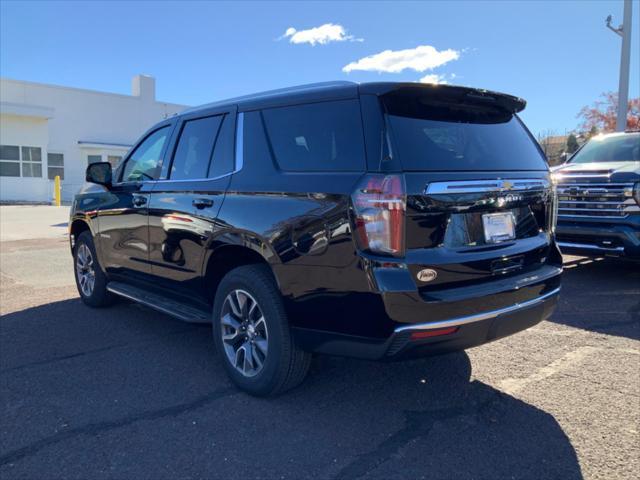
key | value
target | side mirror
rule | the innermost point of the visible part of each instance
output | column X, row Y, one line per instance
column 99, row 173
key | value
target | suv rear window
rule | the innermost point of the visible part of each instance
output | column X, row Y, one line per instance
column 317, row 137
column 442, row 137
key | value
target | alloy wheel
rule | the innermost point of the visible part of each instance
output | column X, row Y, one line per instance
column 244, row 333
column 84, row 270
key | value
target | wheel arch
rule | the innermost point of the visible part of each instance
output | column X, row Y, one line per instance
column 222, row 259
column 77, row 227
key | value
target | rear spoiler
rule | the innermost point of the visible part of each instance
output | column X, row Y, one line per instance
column 447, row 94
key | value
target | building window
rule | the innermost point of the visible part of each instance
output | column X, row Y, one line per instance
column 9, row 161
column 94, row 158
column 31, row 162
column 114, row 160
column 55, row 165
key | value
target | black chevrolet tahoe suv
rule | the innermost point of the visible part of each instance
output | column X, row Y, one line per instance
column 599, row 198
column 377, row 221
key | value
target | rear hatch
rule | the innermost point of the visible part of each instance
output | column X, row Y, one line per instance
column 479, row 196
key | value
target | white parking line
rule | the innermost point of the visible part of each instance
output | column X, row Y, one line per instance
column 513, row 385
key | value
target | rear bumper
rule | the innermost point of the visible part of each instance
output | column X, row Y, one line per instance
column 471, row 316
column 596, row 239
column 470, row 331
column 474, row 329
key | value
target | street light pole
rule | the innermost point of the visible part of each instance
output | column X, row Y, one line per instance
column 624, row 31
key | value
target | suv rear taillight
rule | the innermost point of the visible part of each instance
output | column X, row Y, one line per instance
column 380, row 204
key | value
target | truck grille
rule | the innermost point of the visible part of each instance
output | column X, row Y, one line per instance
column 595, row 200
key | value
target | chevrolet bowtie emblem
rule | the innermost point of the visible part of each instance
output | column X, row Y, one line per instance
column 507, row 185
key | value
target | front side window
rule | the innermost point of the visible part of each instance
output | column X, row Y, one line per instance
column 9, row 161
column 145, row 161
column 617, row 148
column 317, row 137
column 55, row 166
column 195, row 146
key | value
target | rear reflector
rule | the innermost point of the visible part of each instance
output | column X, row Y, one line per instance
column 433, row 333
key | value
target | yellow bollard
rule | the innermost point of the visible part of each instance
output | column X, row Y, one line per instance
column 56, row 190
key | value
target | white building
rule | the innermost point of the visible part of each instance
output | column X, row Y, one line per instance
column 48, row 130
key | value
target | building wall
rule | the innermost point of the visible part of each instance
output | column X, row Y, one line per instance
column 76, row 123
column 24, row 131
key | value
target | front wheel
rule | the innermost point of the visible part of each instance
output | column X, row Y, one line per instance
column 90, row 279
column 252, row 334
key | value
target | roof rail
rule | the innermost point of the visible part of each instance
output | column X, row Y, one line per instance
column 278, row 91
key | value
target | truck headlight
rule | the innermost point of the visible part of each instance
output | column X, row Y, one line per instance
column 636, row 192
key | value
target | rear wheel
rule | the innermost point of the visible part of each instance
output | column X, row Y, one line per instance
column 90, row 279
column 252, row 334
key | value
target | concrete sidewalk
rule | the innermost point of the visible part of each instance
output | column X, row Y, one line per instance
column 23, row 222
column 34, row 251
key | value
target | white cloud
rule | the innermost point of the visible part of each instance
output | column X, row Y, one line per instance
column 329, row 32
column 434, row 78
column 420, row 59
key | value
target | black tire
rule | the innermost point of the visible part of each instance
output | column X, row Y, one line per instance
column 285, row 365
column 99, row 295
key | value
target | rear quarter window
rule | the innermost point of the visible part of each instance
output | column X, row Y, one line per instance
column 319, row 137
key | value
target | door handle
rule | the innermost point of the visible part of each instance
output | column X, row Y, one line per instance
column 139, row 201
column 202, row 203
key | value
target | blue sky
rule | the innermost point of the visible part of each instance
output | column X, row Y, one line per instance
column 558, row 55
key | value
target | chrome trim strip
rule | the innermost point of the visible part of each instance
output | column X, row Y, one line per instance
column 597, row 217
column 589, row 202
column 165, row 180
column 587, row 209
column 454, row 322
column 584, row 175
column 483, row 186
column 238, row 161
column 592, row 185
column 240, row 142
column 587, row 246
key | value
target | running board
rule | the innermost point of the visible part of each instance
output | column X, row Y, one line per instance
column 186, row 313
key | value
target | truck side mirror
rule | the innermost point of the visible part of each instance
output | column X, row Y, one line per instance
column 100, row 173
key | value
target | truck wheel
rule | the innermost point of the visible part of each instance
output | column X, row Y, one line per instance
column 90, row 279
column 252, row 333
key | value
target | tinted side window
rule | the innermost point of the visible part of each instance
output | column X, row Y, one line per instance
column 317, row 137
column 144, row 162
column 223, row 159
column 193, row 153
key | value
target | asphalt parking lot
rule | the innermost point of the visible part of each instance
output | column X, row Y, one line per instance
column 130, row 393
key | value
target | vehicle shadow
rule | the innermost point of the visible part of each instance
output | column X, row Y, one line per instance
column 450, row 426
column 126, row 379
column 601, row 295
